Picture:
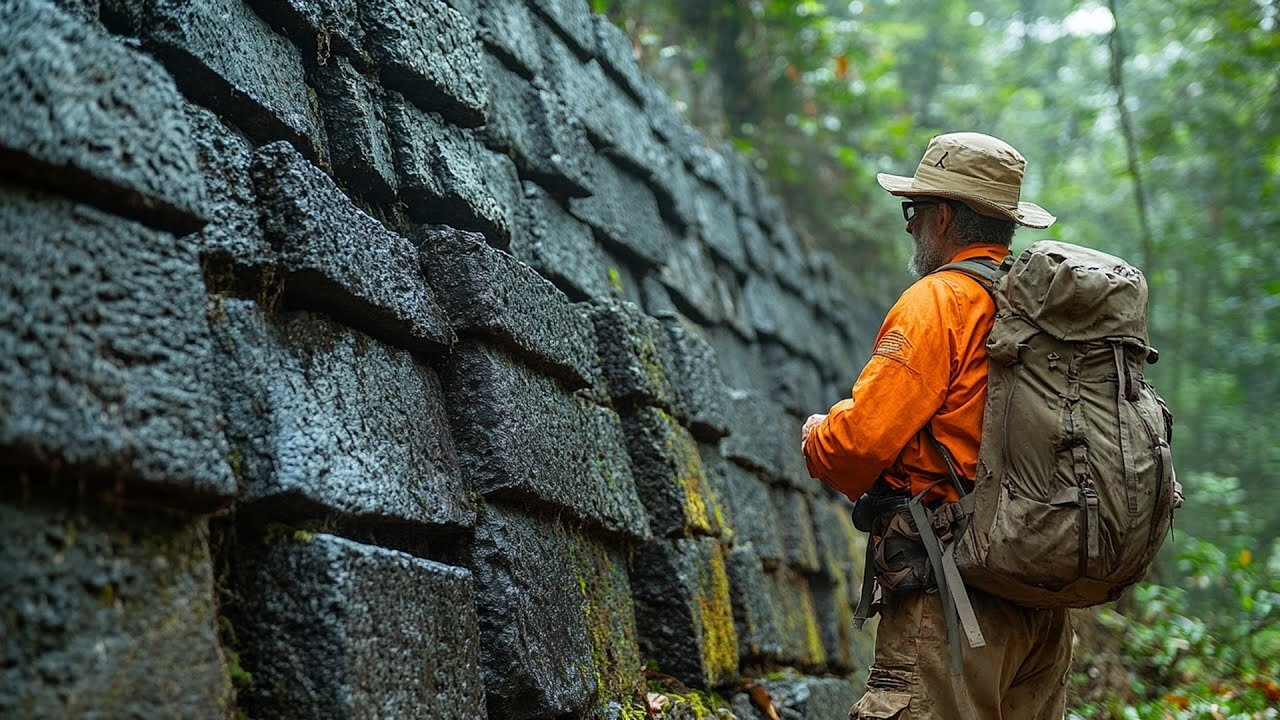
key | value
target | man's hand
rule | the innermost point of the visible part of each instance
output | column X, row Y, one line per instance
column 809, row 425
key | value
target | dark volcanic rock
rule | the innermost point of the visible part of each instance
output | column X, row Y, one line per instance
column 330, row 628
column 533, row 124
column 669, row 475
column 572, row 19
column 796, row 381
column 740, row 361
column 227, row 58
column 340, row 260
column 797, row 618
column 624, row 211
column 447, row 176
column 748, row 507
column 107, row 616
column 616, row 56
column 683, row 610
column 801, row 698
column 556, row 621
column 320, row 26
column 85, row 116
column 428, row 51
column 106, row 347
column 796, row 525
column 718, row 225
column 635, row 354
column 700, row 393
column 491, row 295
column 323, row 416
column 506, row 27
column 233, row 235
column 559, row 247
column 689, row 275
column 754, row 616
column 764, row 437
column 355, row 120
column 834, row 601
column 521, row 436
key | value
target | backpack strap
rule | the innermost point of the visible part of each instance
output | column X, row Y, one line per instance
column 985, row 270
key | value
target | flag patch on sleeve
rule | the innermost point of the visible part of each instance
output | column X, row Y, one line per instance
column 894, row 345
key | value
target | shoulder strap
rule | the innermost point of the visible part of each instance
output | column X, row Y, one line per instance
column 984, row 270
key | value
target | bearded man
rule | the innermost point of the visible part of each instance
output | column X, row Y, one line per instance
column 918, row 402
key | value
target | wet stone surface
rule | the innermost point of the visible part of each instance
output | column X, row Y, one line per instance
column 322, row 27
column 428, row 51
column 754, row 616
column 492, row 295
column 559, row 247
column 330, row 628
column 107, row 350
column 356, row 123
column 522, row 436
column 227, row 58
column 670, row 477
column 107, row 615
column 84, row 115
column 337, row 259
column 326, row 419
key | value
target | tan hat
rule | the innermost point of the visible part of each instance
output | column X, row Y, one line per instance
column 983, row 172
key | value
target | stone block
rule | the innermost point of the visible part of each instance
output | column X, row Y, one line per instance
column 106, row 347
column 326, row 419
column 571, row 19
column 321, row 27
column 739, row 190
column 760, row 251
column 338, row 259
column 447, row 176
column 330, row 628
column 669, row 476
column 521, row 436
column 228, row 59
column 798, row 697
column 795, row 522
column 614, row 51
column 684, row 611
column 754, row 616
column 233, row 236
column 834, row 601
column 841, row 547
column 557, row 627
column 635, row 355
column 748, row 507
column 673, row 186
column 492, row 296
column 356, row 123
column 429, row 52
column 689, row 276
column 782, row 315
column 507, row 28
column 87, row 10
column 718, row 226
column 85, row 116
column 559, row 247
column 532, row 123
column 740, row 361
column 795, row 380
column 699, row 391
column 707, row 162
column 107, row 615
column 623, row 210
column 762, row 436
column 797, row 618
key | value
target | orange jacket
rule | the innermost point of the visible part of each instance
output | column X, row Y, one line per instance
column 929, row 366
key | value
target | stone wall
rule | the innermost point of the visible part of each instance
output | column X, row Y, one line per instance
column 405, row 358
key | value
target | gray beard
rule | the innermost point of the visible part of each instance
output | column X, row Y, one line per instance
column 927, row 257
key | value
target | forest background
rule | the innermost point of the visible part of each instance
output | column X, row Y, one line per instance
column 1152, row 130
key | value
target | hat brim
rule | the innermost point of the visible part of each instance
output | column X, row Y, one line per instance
column 1027, row 214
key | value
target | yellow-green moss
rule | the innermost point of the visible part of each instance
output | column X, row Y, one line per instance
column 715, row 619
column 615, row 279
column 303, row 535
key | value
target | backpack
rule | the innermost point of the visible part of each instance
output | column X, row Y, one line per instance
column 1075, row 487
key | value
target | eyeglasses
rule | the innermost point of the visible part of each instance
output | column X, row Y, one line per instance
column 909, row 207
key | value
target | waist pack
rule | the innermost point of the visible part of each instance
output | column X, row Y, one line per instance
column 1075, row 487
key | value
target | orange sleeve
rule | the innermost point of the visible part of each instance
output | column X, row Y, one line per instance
column 899, row 390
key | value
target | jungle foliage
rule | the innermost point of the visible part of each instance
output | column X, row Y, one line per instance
column 1152, row 129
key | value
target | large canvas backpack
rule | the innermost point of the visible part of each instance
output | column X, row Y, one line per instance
column 1075, row 487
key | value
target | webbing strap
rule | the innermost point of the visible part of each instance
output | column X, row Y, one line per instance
column 1124, row 393
column 933, row 549
column 863, row 610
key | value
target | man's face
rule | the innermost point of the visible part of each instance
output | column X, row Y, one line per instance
column 928, row 247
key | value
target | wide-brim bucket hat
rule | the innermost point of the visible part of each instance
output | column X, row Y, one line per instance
column 983, row 172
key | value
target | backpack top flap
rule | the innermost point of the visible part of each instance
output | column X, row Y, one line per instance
column 1078, row 294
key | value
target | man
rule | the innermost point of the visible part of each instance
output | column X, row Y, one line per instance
column 928, row 374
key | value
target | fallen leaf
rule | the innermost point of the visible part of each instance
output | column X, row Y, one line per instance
column 760, row 698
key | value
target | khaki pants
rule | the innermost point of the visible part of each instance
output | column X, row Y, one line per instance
column 1021, row 674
